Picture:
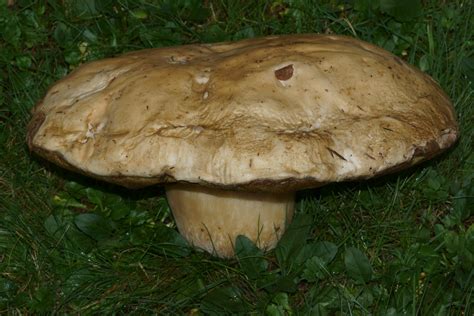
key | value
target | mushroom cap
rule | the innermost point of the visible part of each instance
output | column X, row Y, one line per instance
column 276, row 113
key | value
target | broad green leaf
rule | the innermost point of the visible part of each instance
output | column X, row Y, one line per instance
column 327, row 298
column 274, row 310
column 281, row 299
column 357, row 265
column 95, row 196
column 280, row 306
column 141, row 235
column 89, row 35
column 286, row 283
column 72, row 56
column 315, row 268
column 436, row 186
column 113, row 199
column 61, row 226
column 452, row 241
column 293, row 240
column 250, row 257
column 51, row 225
column 11, row 31
column 428, row 257
column 119, row 210
column 365, row 298
column 111, row 204
column 467, row 253
column 424, row 63
column 83, row 9
column 247, row 32
column 23, row 61
column 169, row 242
column 62, row 36
column 318, row 309
column 75, row 189
column 214, row 33
column 76, row 279
column 189, row 288
column 138, row 217
column 224, row 301
column 274, row 282
column 402, row 10
column 94, row 226
column 325, row 250
column 451, row 17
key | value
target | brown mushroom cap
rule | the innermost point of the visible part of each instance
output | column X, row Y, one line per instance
column 273, row 114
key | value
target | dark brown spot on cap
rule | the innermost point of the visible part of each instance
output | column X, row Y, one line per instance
column 284, row 73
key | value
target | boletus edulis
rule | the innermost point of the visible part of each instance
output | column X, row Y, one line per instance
column 233, row 130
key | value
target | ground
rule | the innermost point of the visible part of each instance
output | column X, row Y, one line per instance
column 400, row 244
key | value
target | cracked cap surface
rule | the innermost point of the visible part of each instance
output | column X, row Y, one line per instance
column 276, row 113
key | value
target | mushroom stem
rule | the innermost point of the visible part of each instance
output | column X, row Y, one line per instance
column 212, row 219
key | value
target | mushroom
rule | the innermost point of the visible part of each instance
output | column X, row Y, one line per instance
column 233, row 130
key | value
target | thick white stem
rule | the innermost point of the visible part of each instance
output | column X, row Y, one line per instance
column 211, row 219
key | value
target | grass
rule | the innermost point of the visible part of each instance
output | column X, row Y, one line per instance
column 401, row 244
